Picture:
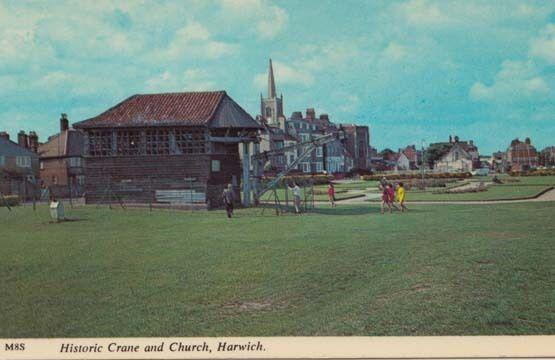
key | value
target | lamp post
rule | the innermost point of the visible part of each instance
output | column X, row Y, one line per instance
column 422, row 162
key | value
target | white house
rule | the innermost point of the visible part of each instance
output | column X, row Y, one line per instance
column 456, row 160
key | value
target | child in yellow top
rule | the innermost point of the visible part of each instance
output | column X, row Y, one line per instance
column 401, row 196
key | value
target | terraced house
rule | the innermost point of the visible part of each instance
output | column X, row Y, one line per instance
column 19, row 165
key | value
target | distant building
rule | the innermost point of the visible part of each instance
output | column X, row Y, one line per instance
column 438, row 152
column 521, row 156
column 403, row 162
column 498, row 161
column 19, row 165
column 548, row 156
column 356, row 142
column 168, row 148
column 457, row 159
column 412, row 157
column 62, row 162
column 271, row 107
column 279, row 131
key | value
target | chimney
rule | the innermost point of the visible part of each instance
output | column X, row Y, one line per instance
column 456, row 139
column 310, row 113
column 23, row 139
column 4, row 135
column 450, row 139
column 324, row 117
column 33, row 141
column 527, row 141
column 64, row 123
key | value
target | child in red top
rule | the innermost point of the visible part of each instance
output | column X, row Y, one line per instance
column 331, row 194
column 387, row 197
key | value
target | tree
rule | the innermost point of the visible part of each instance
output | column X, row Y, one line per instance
column 435, row 151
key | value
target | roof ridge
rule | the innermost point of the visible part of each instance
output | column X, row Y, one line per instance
column 182, row 92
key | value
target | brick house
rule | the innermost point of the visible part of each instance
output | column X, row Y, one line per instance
column 62, row 163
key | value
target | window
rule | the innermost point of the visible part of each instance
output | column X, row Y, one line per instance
column 279, row 144
column 2, row 160
column 190, row 141
column 157, row 142
column 306, row 167
column 42, row 165
column 128, row 142
column 291, row 158
column 268, row 112
column 23, row 161
column 319, row 167
column 319, row 151
column 54, row 180
column 215, row 165
column 74, row 162
column 81, row 180
column 100, row 143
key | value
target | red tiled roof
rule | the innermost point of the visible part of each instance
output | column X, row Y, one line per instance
column 186, row 108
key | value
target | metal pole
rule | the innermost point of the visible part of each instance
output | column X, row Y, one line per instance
column 256, row 172
column 422, row 165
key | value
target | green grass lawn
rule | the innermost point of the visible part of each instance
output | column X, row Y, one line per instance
column 436, row 270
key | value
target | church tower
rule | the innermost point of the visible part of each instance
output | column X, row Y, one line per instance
column 271, row 107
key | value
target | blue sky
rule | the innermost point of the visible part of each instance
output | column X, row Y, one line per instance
column 411, row 70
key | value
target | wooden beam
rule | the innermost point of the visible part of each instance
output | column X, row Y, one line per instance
column 231, row 139
column 246, row 178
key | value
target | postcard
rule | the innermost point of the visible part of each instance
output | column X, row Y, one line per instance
column 277, row 179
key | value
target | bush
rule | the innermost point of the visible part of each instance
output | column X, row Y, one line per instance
column 418, row 176
column 534, row 172
column 318, row 179
column 12, row 200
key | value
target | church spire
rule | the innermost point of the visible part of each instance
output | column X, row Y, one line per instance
column 271, row 82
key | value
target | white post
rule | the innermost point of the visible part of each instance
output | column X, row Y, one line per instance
column 246, row 180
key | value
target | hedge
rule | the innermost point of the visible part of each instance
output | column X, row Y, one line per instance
column 418, row 176
column 542, row 172
column 12, row 200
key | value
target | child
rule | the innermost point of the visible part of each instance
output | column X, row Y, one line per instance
column 297, row 197
column 331, row 194
column 401, row 196
column 386, row 198
column 227, row 197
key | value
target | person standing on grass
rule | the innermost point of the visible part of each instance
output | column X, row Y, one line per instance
column 386, row 198
column 401, row 196
column 296, row 197
column 227, row 197
column 331, row 194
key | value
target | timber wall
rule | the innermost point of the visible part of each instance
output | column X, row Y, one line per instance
column 135, row 179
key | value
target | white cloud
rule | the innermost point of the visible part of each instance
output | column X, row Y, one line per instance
column 422, row 12
column 544, row 46
column 286, row 75
column 194, row 38
column 269, row 20
column 394, row 52
column 191, row 80
column 517, row 80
